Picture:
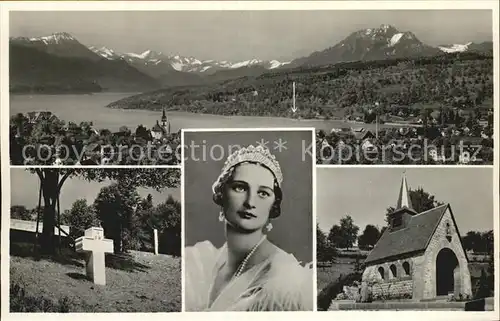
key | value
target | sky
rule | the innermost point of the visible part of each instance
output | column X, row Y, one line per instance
column 366, row 193
column 243, row 35
column 25, row 188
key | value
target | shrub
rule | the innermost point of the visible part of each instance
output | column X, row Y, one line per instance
column 331, row 291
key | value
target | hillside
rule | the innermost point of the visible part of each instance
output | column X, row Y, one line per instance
column 141, row 282
column 33, row 70
column 452, row 80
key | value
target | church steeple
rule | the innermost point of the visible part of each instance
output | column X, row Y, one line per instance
column 404, row 200
column 163, row 117
column 404, row 209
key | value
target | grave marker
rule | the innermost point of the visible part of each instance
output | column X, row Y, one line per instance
column 94, row 245
column 155, row 232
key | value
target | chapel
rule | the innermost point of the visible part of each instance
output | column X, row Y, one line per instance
column 420, row 256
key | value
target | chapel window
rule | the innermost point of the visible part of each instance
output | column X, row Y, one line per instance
column 448, row 229
column 406, row 268
column 397, row 221
column 381, row 272
column 394, row 271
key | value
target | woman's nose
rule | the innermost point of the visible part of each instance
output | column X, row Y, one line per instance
column 250, row 200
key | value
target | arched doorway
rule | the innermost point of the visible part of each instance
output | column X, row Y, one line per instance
column 447, row 272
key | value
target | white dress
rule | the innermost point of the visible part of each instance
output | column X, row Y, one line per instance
column 279, row 283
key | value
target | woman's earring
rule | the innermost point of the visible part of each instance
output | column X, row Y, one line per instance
column 269, row 226
column 221, row 216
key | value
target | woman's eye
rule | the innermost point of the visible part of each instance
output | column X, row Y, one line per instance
column 239, row 188
column 264, row 194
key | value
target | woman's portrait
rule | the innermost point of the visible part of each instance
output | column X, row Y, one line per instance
column 248, row 220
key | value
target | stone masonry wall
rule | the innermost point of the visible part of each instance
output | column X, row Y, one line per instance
column 438, row 242
column 393, row 290
column 393, row 287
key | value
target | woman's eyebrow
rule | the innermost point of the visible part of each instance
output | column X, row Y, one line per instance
column 239, row 181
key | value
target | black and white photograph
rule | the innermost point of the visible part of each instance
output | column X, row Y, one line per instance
column 379, row 86
column 168, row 159
column 95, row 240
column 405, row 239
column 248, row 220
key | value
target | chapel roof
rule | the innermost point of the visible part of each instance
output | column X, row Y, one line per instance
column 414, row 237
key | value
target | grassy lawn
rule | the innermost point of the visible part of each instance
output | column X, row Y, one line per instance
column 135, row 282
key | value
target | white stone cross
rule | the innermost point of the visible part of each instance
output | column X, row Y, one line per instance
column 94, row 245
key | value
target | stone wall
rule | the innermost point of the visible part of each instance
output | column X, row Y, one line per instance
column 412, row 306
column 390, row 286
column 393, row 290
column 441, row 240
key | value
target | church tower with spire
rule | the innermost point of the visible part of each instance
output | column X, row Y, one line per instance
column 404, row 209
column 165, row 124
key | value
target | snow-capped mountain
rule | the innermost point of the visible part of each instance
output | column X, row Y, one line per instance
column 105, row 52
column 60, row 44
column 150, row 58
column 56, row 38
column 371, row 44
column 113, row 69
column 484, row 47
column 455, row 48
column 65, row 64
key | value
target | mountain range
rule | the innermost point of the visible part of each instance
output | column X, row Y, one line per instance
column 62, row 63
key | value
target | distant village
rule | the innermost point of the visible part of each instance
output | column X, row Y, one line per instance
column 465, row 139
column 98, row 147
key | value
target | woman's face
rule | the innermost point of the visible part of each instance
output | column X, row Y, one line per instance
column 249, row 196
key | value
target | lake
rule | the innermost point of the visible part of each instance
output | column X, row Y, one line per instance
column 78, row 108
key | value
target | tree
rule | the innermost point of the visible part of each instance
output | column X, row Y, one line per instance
column 420, row 200
column 324, row 249
column 80, row 217
column 472, row 241
column 479, row 242
column 20, row 212
column 52, row 181
column 115, row 206
column 168, row 224
column 483, row 290
column 487, row 242
column 345, row 235
column 369, row 237
column 335, row 236
column 349, row 231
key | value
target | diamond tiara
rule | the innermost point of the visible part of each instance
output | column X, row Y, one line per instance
column 257, row 154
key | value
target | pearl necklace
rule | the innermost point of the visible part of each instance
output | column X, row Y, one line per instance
column 245, row 260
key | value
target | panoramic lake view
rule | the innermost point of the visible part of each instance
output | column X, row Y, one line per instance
column 78, row 108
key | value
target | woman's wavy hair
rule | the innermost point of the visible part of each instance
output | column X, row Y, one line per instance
column 218, row 190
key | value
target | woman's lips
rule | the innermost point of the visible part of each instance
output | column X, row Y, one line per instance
column 246, row 215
